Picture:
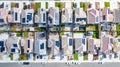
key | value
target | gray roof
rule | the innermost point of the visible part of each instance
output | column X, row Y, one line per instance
column 78, row 44
column 91, row 46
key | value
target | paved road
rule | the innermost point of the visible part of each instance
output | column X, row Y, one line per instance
column 60, row 65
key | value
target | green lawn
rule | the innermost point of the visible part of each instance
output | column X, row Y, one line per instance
column 95, row 35
column 91, row 28
column 55, row 28
column 46, row 5
column 84, row 56
column 75, row 56
column 107, row 4
column 118, row 29
column 60, row 5
column 82, row 5
column 38, row 5
column 62, row 33
column 62, row 27
column 1, row 31
column 18, row 34
column 13, row 4
column 11, row 56
column 22, row 57
column 26, row 34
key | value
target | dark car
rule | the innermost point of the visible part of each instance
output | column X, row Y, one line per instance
column 26, row 63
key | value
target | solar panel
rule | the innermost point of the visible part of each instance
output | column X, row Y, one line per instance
column 28, row 43
column 57, row 43
column 12, row 50
column 1, row 43
column 1, row 20
column 70, row 42
column 83, row 41
column 42, row 46
column 119, row 40
column 15, row 45
column 16, row 16
column 29, row 16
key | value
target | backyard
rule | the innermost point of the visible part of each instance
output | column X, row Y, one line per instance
column 38, row 5
column 91, row 28
column 25, row 34
column 46, row 5
column 62, row 27
column 95, row 34
column 60, row 5
column 118, row 29
column 107, row 4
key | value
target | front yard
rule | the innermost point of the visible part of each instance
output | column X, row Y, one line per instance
column 75, row 56
column 22, row 57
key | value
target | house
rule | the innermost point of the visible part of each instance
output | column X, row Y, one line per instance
column 27, row 45
column 67, row 15
column 53, row 16
column 106, row 15
column 40, row 47
column 116, row 47
column 106, row 45
column 3, row 16
column 40, row 17
column 67, row 45
column 79, row 44
column 27, row 16
column 116, row 15
column 93, row 46
column 13, row 45
column 93, row 16
column 53, row 44
column 2, row 47
column 14, row 15
column 80, row 16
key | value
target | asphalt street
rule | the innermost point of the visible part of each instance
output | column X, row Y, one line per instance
column 60, row 65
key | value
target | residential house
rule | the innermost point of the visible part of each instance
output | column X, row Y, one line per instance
column 80, row 16
column 67, row 45
column 13, row 45
column 79, row 44
column 3, row 16
column 53, row 16
column 27, row 16
column 93, row 16
column 54, row 44
column 27, row 45
column 40, row 17
column 40, row 47
column 106, row 15
column 93, row 46
column 14, row 15
column 106, row 45
column 116, row 15
column 67, row 15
